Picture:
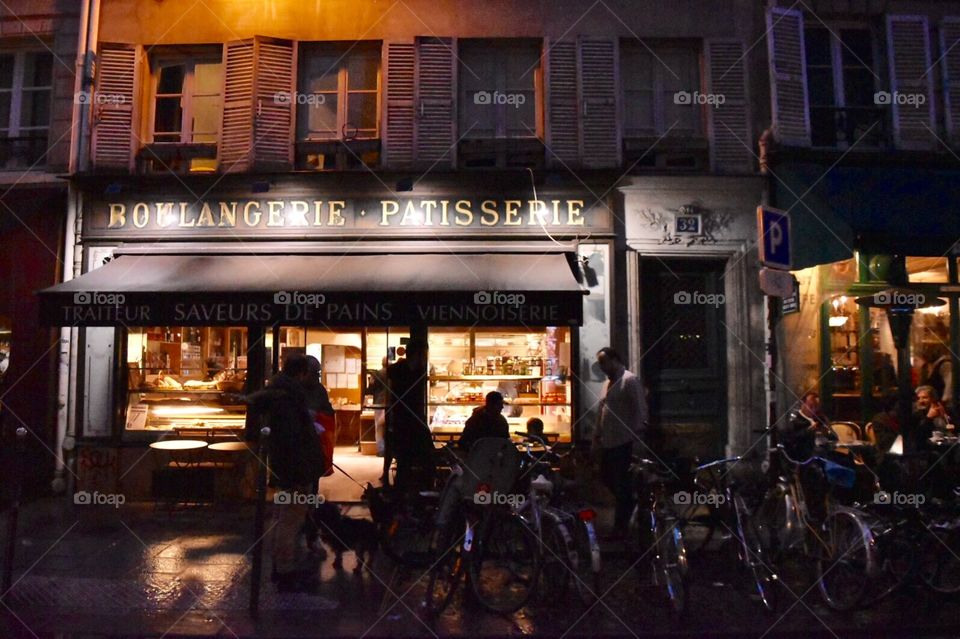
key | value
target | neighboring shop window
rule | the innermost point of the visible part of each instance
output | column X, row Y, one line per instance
column 845, row 336
column 499, row 119
column 338, row 101
column 186, row 108
column 927, row 269
column 930, row 349
column 26, row 79
column 661, row 88
column 840, row 82
column 339, row 353
column 531, row 367
column 186, row 378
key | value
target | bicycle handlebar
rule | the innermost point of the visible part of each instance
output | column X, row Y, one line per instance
column 719, row 462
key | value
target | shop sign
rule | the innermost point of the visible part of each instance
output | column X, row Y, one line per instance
column 791, row 303
column 314, row 217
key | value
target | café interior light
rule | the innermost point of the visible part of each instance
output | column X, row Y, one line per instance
column 836, row 321
column 173, row 411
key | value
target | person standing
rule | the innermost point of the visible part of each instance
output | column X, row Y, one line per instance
column 380, row 390
column 621, row 421
column 296, row 464
column 324, row 417
column 408, row 436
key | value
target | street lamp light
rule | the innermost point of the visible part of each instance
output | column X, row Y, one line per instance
column 900, row 305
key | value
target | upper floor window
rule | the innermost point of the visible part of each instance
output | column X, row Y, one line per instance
column 661, row 88
column 841, row 87
column 26, row 82
column 338, row 101
column 187, row 100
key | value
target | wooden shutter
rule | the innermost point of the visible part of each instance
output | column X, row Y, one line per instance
column 399, row 73
column 788, row 77
column 950, row 52
column 436, row 104
column 731, row 148
column 235, row 150
column 908, row 54
column 562, row 117
column 599, row 125
column 276, row 73
column 115, row 141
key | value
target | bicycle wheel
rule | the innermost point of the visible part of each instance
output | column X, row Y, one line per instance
column 586, row 567
column 406, row 534
column 940, row 560
column 446, row 572
column 505, row 562
column 671, row 562
column 558, row 557
column 754, row 558
column 847, row 562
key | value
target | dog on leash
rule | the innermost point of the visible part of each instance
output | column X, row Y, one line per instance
column 344, row 533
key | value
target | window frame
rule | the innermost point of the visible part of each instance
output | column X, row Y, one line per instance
column 658, row 89
column 13, row 127
column 190, row 60
column 343, row 90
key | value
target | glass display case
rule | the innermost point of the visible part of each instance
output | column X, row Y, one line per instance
column 186, row 378
column 530, row 367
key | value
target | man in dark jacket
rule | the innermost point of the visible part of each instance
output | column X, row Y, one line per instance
column 296, row 463
column 408, row 436
column 486, row 421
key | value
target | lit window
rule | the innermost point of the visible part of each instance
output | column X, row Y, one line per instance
column 187, row 100
column 498, row 89
column 659, row 84
column 339, row 93
column 26, row 79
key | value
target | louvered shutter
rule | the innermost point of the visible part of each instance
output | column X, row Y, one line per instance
column 115, row 140
column 788, row 77
column 399, row 73
column 436, row 104
column 276, row 72
column 562, row 135
column 730, row 139
column 950, row 52
column 908, row 53
column 599, row 124
column 235, row 151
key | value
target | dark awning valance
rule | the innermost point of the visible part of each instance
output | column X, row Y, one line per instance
column 320, row 290
column 894, row 210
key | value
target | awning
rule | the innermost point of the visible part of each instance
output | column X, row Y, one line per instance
column 321, row 290
column 891, row 210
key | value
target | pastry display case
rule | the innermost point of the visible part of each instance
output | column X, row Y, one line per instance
column 530, row 367
column 186, row 378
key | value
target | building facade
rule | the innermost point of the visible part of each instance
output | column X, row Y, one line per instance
column 334, row 178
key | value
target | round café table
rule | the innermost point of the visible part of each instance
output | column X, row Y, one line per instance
column 231, row 456
column 183, row 452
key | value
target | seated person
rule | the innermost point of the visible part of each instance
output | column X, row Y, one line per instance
column 535, row 428
column 886, row 426
column 799, row 434
column 486, row 421
column 931, row 415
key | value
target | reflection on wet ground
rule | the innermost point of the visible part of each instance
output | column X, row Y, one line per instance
column 143, row 573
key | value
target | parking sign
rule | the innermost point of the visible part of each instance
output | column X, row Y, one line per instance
column 774, row 229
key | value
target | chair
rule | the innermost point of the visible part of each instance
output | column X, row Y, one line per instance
column 870, row 433
column 847, row 432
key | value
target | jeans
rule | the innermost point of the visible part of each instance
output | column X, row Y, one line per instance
column 615, row 475
column 290, row 517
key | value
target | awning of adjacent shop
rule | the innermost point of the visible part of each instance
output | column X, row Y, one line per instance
column 321, row 290
column 903, row 211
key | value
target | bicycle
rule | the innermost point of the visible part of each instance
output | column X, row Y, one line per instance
column 729, row 505
column 660, row 530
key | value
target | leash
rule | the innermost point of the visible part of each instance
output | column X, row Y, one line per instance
column 349, row 476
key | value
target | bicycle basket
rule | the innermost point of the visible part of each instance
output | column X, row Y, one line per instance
column 493, row 463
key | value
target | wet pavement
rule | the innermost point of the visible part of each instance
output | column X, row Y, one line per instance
column 139, row 572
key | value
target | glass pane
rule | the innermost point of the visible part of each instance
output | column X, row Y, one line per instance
column 362, row 70
column 927, row 269
column 35, row 108
column 638, row 111
column 320, row 73
column 171, row 80
column 817, row 44
column 683, row 118
column 208, row 79
column 637, row 69
column 322, row 116
column 6, row 71
column 38, row 70
column 521, row 115
column 477, row 70
column 820, row 86
column 206, row 118
column 362, row 111
column 520, row 66
column 5, row 99
column 478, row 115
column 169, row 116
column 679, row 70
column 858, row 87
column 929, row 350
column 856, row 50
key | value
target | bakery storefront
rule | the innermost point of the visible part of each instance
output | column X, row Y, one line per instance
column 190, row 301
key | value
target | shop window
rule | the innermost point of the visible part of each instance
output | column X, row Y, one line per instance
column 930, row 349
column 499, row 110
column 185, row 111
column 841, row 87
column 338, row 107
column 927, row 269
column 531, row 367
column 186, row 379
column 660, row 85
column 26, row 81
column 845, row 335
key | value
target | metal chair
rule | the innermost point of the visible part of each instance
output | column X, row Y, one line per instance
column 847, row 432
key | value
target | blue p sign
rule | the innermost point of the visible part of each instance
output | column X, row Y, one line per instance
column 774, row 229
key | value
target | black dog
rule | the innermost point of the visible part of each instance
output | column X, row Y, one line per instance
column 345, row 533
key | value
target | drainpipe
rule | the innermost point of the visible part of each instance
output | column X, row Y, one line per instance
column 79, row 143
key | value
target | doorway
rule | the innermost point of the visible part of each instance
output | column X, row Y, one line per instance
column 683, row 342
